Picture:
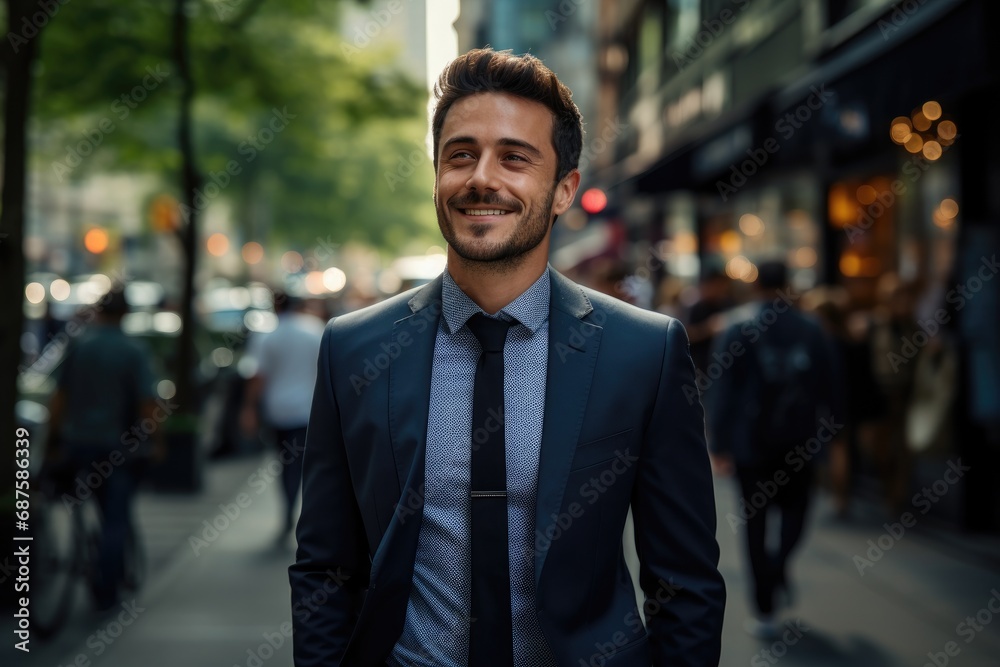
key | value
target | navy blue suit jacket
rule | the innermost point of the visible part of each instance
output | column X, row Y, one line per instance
column 618, row 432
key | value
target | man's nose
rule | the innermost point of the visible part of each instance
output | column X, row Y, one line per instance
column 485, row 176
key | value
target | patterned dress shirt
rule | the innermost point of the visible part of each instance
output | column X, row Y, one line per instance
column 436, row 631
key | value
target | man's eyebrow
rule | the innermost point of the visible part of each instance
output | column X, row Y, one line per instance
column 459, row 140
column 505, row 141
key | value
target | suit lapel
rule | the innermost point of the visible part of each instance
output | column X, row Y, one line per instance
column 384, row 611
column 410, row 378
column 409, row 401
column 573, row 348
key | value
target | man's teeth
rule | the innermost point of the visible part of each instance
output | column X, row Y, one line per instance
column 485, row 211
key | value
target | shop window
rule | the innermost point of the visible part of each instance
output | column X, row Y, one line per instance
column 778, row 222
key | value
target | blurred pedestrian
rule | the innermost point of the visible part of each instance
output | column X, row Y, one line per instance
column 668, row 297
column 104, row 391
column 475, row 444
column 859, row 393
column 704, row 317
column 281, row 389
column 608, row 276
column 892, row 330
column 771, row 409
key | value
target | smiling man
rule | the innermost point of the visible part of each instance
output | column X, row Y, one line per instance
column 466, row 505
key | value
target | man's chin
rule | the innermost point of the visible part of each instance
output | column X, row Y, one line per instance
column 489, row 244
column 474, row 252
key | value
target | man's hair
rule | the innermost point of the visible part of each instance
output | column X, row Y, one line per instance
column 113, row 305
column 286, row 303
column 489, row 71
column 772, row 275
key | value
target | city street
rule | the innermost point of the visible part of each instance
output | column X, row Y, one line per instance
column 226, row 604
column 225, row 223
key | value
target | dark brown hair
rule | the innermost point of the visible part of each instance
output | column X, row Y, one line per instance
column 489, row 71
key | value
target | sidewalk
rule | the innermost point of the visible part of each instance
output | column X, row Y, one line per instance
column 204, row 608
column 223, row 602
column 908, row 603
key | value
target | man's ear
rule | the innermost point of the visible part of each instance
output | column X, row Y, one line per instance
column 565, row 192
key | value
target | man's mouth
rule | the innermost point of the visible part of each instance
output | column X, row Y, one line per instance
column 483, row 211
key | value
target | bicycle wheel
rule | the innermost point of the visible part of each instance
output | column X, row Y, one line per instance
column 54, row 552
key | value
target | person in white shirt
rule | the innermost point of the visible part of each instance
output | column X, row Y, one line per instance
column 281, row 389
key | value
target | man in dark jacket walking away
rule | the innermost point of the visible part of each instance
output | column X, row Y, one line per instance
column 771, row 411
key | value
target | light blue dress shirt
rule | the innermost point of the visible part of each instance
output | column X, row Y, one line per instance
column 436, row 631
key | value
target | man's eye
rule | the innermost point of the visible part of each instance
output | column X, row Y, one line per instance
column 461, row 155
column 516, row 157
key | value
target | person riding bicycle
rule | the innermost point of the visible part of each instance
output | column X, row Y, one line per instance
column 104, row 390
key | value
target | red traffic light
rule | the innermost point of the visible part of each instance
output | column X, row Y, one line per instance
column 594, row 200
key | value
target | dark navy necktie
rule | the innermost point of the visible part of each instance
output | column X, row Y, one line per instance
column 490, row 632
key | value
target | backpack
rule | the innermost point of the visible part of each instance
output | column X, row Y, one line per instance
column 787, row 397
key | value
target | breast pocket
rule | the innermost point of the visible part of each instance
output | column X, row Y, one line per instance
column 601, row 450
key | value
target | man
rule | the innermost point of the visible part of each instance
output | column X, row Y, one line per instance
column 464, row 501
column 104, row 389
column 770, row 412
column 281, row 387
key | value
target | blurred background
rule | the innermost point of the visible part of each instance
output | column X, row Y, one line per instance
column 216, row 160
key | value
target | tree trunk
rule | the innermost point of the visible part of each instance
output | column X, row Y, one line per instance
column 188, row 231
column 19, row 57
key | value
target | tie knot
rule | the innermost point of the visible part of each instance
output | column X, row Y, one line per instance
column 492, row 333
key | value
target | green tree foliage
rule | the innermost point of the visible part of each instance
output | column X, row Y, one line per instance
column 345, row 165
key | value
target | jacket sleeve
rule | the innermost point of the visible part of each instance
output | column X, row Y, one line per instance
column 674, row 509
column 330, row 573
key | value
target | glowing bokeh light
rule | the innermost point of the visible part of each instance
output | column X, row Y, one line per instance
column 866, row 194
column 292, row 262
column 949, row 208
column 594, row 200
column 59, row 289
column 751, row 225
column 34, row 292
column 252, row 252
column 96, row 240
column 217, row 244
column 334, row 279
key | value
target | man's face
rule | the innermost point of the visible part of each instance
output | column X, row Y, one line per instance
column 495, row 189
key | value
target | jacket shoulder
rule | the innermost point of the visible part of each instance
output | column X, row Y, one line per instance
column 620, row 315
column 376, row 316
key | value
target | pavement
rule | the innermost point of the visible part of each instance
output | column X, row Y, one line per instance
column 887, row 605
column 217, row 591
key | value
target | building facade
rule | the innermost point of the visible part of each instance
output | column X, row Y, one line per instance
column 852, row 139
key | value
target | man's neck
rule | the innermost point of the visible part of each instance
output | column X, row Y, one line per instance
column 493, row 286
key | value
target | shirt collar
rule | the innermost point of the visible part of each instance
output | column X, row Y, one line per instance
column 531, row 309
